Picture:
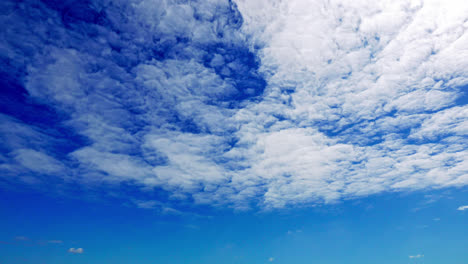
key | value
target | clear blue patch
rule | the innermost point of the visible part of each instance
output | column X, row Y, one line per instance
column 463, row 95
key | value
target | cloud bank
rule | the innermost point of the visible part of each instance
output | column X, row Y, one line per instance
column 245, row 103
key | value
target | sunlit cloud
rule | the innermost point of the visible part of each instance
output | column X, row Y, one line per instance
column 241, row 103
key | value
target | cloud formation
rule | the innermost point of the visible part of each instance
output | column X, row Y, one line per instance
column 366, row 94
column 76, row 250
column 416, row 256
column 463, row 208
column 240, row 104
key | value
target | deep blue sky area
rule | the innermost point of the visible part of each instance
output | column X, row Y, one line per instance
column 233, row 131
column 386, row 228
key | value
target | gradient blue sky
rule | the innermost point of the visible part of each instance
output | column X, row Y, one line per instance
column 160, row 131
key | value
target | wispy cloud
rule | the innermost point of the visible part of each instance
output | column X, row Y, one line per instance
column 192, row 226
column 55, row 241
column 76, row 250
column 38, row 161
column 416, row 256
column 463, row 208
column 290, row 232
column 157, row 205
column 422, row 226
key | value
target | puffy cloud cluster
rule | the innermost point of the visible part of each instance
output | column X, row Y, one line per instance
column 264, row 103
column 124, row 91
column 362, row 97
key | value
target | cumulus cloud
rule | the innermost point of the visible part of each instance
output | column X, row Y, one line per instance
column 244, row 103
column 373, row 83
column 76, row 250
column 463, row 208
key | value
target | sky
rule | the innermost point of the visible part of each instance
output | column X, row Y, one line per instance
column 216, row 131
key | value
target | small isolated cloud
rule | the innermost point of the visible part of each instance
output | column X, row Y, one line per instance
column 55, row 241
column 21, row 238
column 191, row 226
column 436, row 219
column 416, row 256
column 147, row 204
column 153, row 204
column 290, row 232
column 76, row 250
column 462, row 208
column 271, row 259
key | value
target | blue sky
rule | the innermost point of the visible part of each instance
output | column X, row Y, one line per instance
column 233, row 131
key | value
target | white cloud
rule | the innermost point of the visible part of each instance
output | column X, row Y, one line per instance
column 416, row 256
column 271, row 259
column 38, row 161
column 359, row 99
column 76, row 250
column 362, row 73
column 147, row 204
column 116, row 166
column 463, row 208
